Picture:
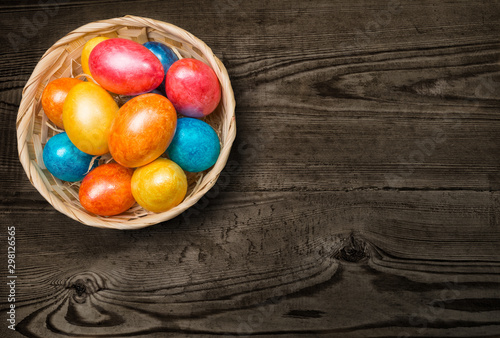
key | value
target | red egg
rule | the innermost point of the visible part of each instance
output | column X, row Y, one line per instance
column 142, row 130
column 193, row 88
column 125, row 67
column 106, row 190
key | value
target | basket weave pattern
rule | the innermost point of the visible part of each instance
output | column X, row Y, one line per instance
column 63, row 60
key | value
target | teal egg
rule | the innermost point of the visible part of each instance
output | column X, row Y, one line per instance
column 195, row 146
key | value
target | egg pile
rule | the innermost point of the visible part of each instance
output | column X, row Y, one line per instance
column 150, row 147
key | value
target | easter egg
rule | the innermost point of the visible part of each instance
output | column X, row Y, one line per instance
column 166, row 55
column 106, row 190
column 142, row 130
column 53, row 97
column 65, row 161
column 159, row 186
column 193, row 88
column 195, row 146
column 125, row 67
column 88, row 112
column 87, row 48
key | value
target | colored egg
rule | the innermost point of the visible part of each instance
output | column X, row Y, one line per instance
column 87, row 48
column 53, row 97
column 142, row 130
column 106, row 190
column 159, row 186
column 65, row 161
column 195, row 146
column 166, row 56
column 193, row 88
column 88, row 113
column 125, row 67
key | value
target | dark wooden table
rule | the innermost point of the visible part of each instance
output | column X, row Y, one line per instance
column 363, row 200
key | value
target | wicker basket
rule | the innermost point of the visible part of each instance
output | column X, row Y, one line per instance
column 63, row 60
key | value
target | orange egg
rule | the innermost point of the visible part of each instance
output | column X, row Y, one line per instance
column 142, row 130
column 159, row 186
column 53, row 97
column 88, row 113
column 89, row 46
column 106, row 190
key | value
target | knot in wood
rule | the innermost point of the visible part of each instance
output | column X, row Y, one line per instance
column 79, row 288
column 353, row 251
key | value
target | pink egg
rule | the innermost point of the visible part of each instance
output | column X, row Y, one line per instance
column 125, row 67
column 193, row 88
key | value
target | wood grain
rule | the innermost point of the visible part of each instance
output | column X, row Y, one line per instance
column 182, row 277
column 361, row 197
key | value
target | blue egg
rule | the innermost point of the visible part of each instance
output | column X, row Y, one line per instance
column 166, row 56
column 195, row 146
column 64, row 160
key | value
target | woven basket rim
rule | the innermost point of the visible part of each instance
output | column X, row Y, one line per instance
column 26, row 116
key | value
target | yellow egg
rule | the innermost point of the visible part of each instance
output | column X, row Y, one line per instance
column 86, row 52
column 159, row 185
column 88, row 112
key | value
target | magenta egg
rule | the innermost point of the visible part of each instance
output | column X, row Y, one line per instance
column 192, row 87
column 125, row 67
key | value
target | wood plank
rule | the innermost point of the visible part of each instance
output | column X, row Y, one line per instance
column 418, row 115
column 352, row 147
column 370, row 308
column 242, row 250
